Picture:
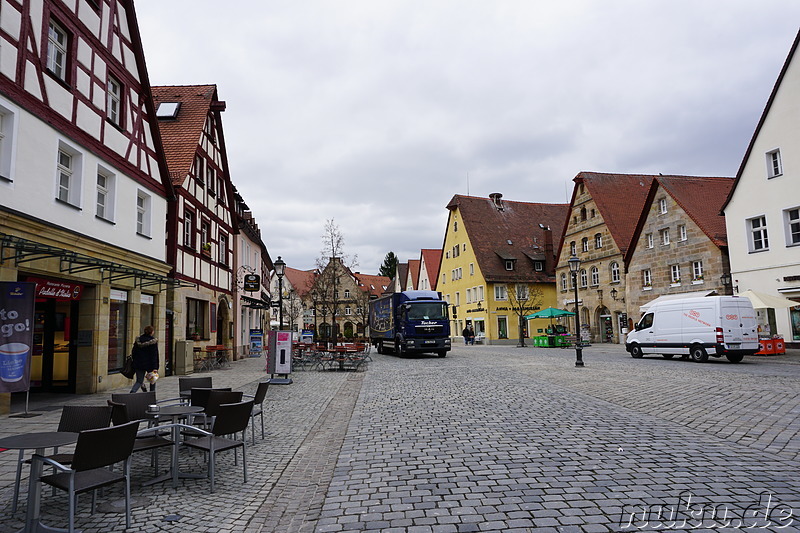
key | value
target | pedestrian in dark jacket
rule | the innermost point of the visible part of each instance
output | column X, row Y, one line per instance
column 145, row 359
column 465, row 334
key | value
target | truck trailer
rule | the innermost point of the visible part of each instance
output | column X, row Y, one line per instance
column 410, row 322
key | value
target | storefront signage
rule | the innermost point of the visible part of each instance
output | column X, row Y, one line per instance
column 119, row 295
column 252, row 282
column 60, row 290
column 147, row 299
column 16, row 335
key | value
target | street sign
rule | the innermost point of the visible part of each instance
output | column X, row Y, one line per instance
column 252, row 282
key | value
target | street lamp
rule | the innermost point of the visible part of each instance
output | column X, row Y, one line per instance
column 314, row 297
column 574, row 265
column 280, row 270
column 614, row 293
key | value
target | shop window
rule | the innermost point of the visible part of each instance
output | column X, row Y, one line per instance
column 196, row 319
column 117, row 329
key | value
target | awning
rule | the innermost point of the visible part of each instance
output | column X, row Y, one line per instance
column 696, row 294
column 765, row 301
column 254, row 303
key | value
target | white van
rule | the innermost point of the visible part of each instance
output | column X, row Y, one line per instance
column 696, row 327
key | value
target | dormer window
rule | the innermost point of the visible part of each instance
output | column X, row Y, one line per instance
column 509, row 264
column 538, row 266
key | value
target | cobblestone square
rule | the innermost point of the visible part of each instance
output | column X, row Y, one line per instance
column 489, row 438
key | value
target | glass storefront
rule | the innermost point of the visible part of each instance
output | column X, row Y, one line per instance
column 117, row 329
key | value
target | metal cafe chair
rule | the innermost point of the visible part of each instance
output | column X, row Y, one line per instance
column 95, row 450
column 258, row 408
column 152, row 441
column 231, row 419
column 74, row 418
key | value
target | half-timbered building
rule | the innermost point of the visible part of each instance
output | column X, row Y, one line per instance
column 201, row 223
column 83, row 187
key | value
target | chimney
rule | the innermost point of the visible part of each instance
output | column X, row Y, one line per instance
column 496, row 197
column 549, row 252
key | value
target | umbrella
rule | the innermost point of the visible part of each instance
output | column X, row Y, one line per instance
column 764, row 301
column 550, row 312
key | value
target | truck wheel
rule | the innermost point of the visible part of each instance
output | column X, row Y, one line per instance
column 399, row 347
column 667, row 355
column 735, row 358
column 698, row 354
column 442, row 353
column 636, row 351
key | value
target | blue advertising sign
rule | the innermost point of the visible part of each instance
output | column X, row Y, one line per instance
column 16, row 334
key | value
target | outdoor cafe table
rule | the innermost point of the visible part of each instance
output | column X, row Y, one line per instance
column 38, row 442
column 175, row 412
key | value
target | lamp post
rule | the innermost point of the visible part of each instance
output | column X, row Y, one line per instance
column 314, row 301
column 574, row 265
column 280, row 270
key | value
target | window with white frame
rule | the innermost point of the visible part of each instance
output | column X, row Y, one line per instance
column 675, row 273
column 106, row 182
column 444, row 278
column 68, row 175
column 662, row 206
column 792, row 222
column 585, row 244
column 563, row 281
column 347, row 293
column 456, row 251
column 199, row 170
column 649, row 238
column 538, row 266
column 188, row 228
column 682, row 232
column 222, row 248
column 665, row 236
column 697, row 271
column 500, row 292
column 521, row 291
column 774, row 164
column 615, row 272
column 458, row 298
column 114, row 100
column 647, row 278
column 7, row 123
column 584, row 278
column 598, row 241
column 757, row 229
column 480, row 293
column 348, row 310
column 469, row 296
column 57, row 46
column 143, row 213
column 472, row 269
column 211, row 180
column 509, row 264
column 595, row 276
column 572, row 248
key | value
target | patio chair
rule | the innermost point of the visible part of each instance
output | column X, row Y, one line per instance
column 187, row 384
column 95, row 450
column 151, row 441
column 74, row 418
column 136, row 404
column 231, row 419
column 258, row 408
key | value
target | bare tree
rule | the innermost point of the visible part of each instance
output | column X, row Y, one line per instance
column 524, row 299
column 332, row 265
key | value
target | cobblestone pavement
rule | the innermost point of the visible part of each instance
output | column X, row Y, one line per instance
column 488, row 439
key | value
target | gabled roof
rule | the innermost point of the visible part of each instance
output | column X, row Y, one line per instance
column 700, row 197
column 764, row 114
column 619, row 199
column 374, row 285
column 433, row 260
column 181, row 135
column 401, row 275
column 513, row 229
column 302, row 280
column 413, row 271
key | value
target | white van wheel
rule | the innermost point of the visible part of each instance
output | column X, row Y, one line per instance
column 636, row 351
column 699, row 354
column 737, row 358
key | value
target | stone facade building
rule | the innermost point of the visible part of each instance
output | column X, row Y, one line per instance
column 680, row 245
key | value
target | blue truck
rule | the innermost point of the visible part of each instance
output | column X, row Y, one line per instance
column 410, row 322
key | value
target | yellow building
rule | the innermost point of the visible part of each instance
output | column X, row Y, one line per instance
column 498, row 263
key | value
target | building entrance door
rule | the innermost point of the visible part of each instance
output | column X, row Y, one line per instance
column 54, row 354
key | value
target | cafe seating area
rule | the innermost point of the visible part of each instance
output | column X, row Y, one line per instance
column 204, row 430
column 352, row 357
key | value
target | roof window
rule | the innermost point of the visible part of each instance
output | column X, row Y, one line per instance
column 168, row 109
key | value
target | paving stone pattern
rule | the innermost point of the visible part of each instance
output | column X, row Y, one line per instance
column 488, row 439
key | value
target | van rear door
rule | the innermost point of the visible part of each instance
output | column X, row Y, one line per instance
column 738, row 324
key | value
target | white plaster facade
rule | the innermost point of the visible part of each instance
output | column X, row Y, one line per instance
column 762, row 211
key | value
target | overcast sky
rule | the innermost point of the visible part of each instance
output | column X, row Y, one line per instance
column 374, row 113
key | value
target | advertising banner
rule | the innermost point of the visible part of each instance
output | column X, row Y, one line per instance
column 16, row 335
column 256, row 342
column 280, row 352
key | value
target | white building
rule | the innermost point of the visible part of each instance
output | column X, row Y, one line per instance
column 762, row 212
column 83, row 186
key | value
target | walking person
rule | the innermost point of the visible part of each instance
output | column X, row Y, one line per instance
column 465, row 334
column 471, row 335
column 145, row 359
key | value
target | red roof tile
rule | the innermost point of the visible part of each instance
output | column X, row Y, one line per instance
column 181, row 135
column 375, row 285
column 513, row 232
column 413, row 269
column 302, row 280
column 433, row 260
column 701, row 198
